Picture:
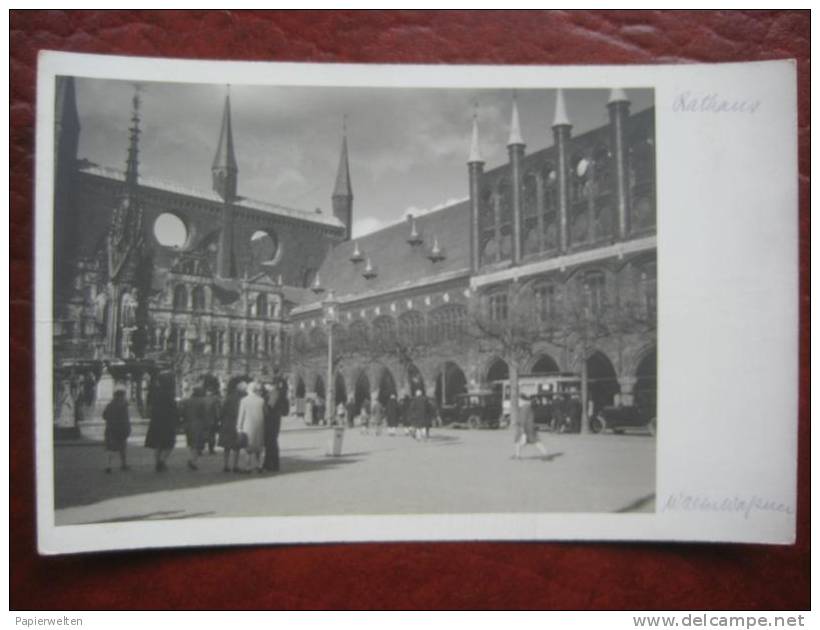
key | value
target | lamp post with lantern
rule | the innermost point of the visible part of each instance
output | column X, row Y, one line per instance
column 330, row 309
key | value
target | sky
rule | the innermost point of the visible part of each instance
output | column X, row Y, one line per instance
column 408, row 148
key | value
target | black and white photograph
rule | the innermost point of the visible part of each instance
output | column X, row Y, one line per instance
column 274, row 300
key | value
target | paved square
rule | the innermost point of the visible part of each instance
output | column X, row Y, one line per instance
column 456, row 471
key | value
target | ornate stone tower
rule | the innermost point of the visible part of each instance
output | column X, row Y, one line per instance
column 224, row 174
column 127, row 267
column 342, row 198
column 66, row 139
column 561, row 127
column 475, row 165
column 515, row 148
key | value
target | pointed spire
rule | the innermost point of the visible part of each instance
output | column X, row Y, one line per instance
column 369, row 270
column 436, row 254
column 515, row 126
column 317, row 287
column 475, row 148
column 132, row 161
column 224, row 169
column 415, row 238
column 343, row 187
column 561, row 117
column 356, row 256
column 225, row 157
column 617, row 95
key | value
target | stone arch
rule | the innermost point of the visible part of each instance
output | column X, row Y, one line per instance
column 385, row 384
column 645, row 390
column 361, row 391
column 602, row 380
column 543, row 363
column 450, row 381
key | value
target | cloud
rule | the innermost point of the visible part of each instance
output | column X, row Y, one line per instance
column 366, row 225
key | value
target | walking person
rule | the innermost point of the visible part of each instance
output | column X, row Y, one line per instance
column 117, row 428
column 196, row 415
column 162, row 428
column 251, row 424
column 525, row 432
column 229, row 414
column 364, row 416
column 420, row 415
column 377, row 416
column 341, row 414
column 274, row 406
column 392, row 414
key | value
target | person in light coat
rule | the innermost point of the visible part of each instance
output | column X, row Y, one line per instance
column 251, row 425
column 525, row 431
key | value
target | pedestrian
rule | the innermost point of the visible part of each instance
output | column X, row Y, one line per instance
column 404, row 421
column 525, row 432
column 420, row 415
column 211, row 386
column 341, row 414
column 392, row 414
column 274, row 406
column 351, row 413
column 117, row 428
column 251, row 424
column 364, row 416
column 377, row 416
column 196, row 416
column 164, row 413
column 229, row 414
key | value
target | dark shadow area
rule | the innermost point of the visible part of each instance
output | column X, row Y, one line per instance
column 164, row 515
column 638, row 505
column 79, row 477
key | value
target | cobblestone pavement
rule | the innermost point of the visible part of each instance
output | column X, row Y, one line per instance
column 455, row 471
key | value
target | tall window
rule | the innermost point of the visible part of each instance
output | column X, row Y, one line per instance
column 411, row 328
column 261, row 305
column 198, row 298
column 220, row 342
column 180, row 298
column 546, row 302
column 649, row 289
column 447, row 323
column 358, row 335
column 498, row 307
column 384, row 331
column 594, row 292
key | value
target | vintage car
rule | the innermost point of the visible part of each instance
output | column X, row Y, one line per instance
column 622, row 417
column 559, row 414
column 479, row 410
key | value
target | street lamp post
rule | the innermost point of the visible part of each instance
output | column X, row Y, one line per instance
column 330, row 306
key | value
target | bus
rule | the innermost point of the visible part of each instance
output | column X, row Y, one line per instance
column 556, row 383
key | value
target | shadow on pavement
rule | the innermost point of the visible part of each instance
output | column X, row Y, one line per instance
column 79, row 478
column 644, row 504
column 159, row 515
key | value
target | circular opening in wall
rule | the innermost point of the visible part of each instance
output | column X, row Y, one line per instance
column 264, row 247
column 170, row 231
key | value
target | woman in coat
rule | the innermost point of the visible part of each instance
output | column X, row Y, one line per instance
column 251, row 424
column 162, row 429
column 117, row 428
column 274, row 406
column 197, row 415
column 229, row 414
column 420, row 415
column 525, row 432
column 392, row 414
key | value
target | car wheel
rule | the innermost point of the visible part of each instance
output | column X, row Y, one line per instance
column 596, row 425
column 474, row 422
column 653, row 426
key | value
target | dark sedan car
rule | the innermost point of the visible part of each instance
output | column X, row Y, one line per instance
column 479, row 410
column 620, row 418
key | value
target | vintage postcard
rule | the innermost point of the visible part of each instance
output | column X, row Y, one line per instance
column 305, row 303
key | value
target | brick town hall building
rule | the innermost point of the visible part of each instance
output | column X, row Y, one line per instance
column 432, row 302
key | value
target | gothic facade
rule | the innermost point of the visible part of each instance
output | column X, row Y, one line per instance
column 549, row 266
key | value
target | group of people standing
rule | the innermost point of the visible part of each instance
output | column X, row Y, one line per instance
column 416, row 415
column 247, row 420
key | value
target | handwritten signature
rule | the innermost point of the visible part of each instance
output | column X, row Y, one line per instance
column 713, row 103
column 746, row 506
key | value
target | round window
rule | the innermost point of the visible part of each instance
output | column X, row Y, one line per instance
column 264, row 246
column 170, row 231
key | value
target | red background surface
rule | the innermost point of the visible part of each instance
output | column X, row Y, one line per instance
column 417, row 575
